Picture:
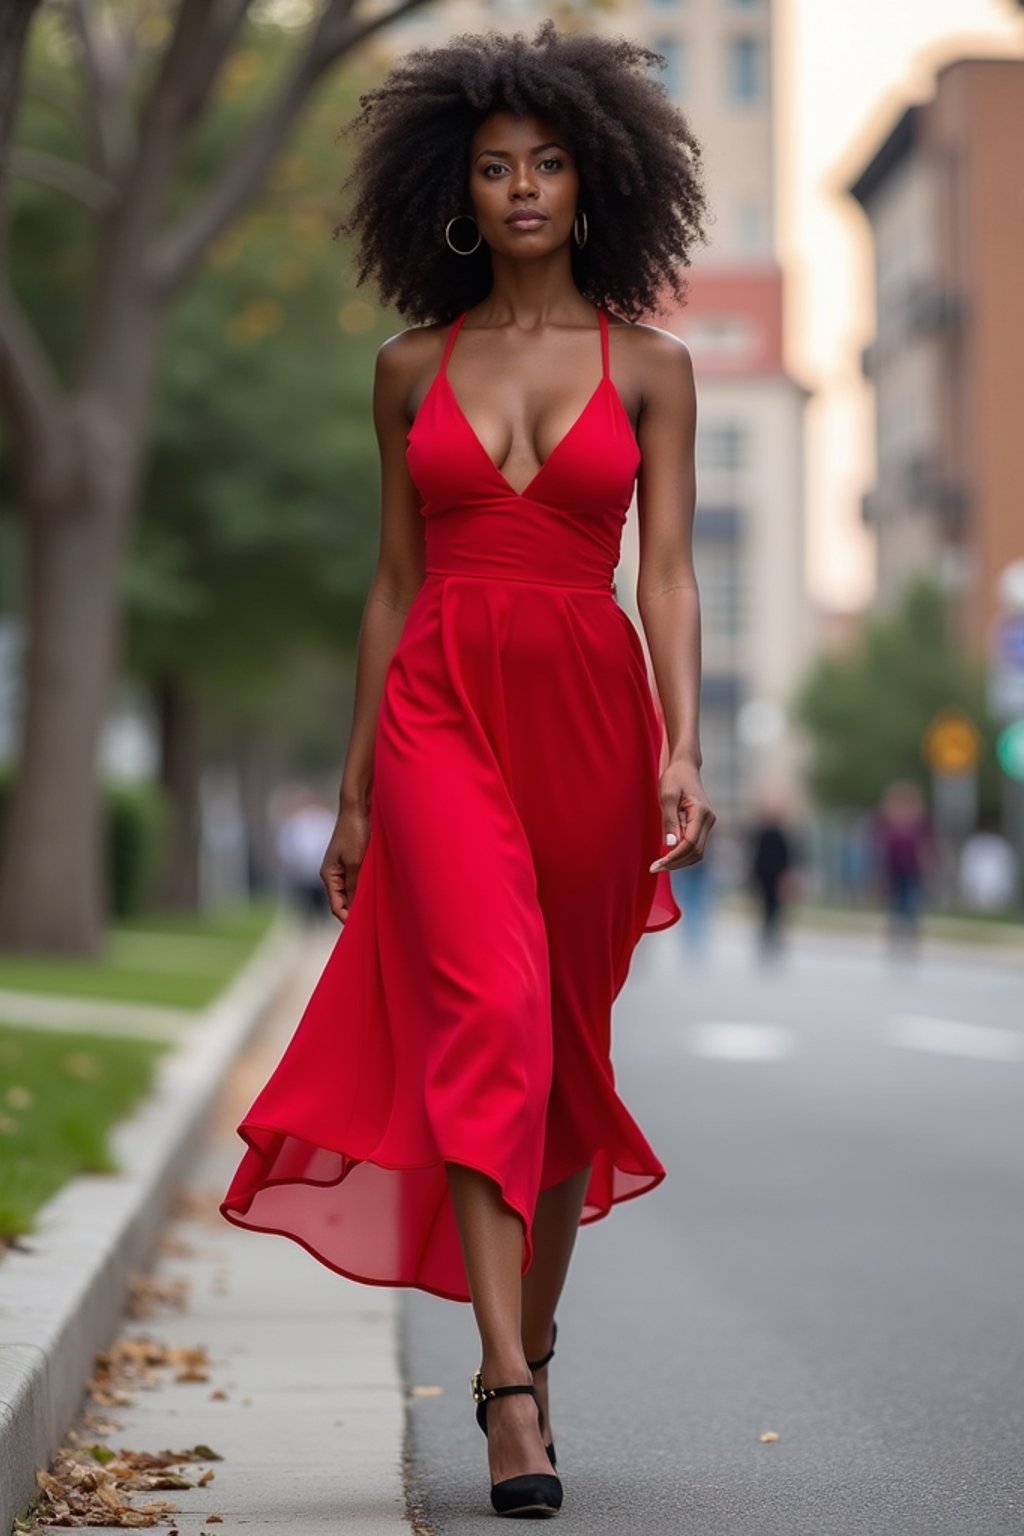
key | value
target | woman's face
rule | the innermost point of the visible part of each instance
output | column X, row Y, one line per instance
column 523, row 185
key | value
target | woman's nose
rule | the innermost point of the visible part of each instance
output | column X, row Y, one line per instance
column 523, row 184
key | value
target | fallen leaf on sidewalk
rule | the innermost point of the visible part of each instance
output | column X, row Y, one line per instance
column 769, row 1437
column 139, row 1361
column 176, row 1247
column 199, row 1205
column 147, row 1293
column 79, row 1492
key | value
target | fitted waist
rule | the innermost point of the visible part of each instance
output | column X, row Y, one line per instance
column 525, row 544
column 472, row 574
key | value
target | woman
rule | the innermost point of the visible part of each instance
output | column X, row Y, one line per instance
column 445, row 1114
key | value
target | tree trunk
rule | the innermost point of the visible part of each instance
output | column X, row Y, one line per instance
column 52, row 891
column 53, row 894
column 77, row 460
column 260, row 764
column 179, row 773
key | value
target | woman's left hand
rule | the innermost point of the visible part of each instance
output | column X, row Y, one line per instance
column 687, row 817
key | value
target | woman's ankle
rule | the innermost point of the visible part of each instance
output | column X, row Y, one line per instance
column 505, row 1368
column 538, row 1338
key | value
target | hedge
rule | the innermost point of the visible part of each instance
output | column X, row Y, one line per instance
column 136, row 835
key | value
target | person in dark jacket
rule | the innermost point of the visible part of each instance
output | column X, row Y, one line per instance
column 771, row 863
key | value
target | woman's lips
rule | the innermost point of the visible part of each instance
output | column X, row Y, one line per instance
column 526, row 220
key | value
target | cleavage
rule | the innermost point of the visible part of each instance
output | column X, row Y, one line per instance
column 520, row 443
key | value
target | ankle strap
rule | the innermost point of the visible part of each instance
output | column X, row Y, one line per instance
column 482, row 1394
column 538, row 1365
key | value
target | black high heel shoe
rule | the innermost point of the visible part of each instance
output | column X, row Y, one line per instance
column 538, row 1365
column 534, row 1494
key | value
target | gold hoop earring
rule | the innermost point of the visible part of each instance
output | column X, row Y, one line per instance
column 448, row 238
column 576, row 229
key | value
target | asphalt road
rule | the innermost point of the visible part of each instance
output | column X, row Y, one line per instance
column 836, row 1256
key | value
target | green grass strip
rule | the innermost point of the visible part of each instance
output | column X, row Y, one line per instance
column 172, row 960
column 60, row 1094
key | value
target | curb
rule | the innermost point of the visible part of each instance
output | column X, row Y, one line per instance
column 62, row 1297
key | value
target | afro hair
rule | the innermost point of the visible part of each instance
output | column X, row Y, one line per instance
column 638, row 161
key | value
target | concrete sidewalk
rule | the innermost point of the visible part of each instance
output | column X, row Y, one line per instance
column 300, row 1392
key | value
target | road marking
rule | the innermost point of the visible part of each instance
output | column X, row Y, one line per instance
column 741, row 1042
column 952, row 1037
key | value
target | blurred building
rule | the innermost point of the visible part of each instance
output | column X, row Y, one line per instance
column 942, row 193
column 749, row 530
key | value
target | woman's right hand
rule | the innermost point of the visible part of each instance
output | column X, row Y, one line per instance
column 344, row 858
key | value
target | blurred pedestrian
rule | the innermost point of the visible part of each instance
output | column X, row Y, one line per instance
column 302, row 838
column 989, row 872
column 771, row 866
column 905, row 851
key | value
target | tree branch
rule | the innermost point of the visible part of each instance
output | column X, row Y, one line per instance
column 201, row 28
column 76, row 180
column 224, row 17
column 335, row 34
column 30, row 392
column 108, row 67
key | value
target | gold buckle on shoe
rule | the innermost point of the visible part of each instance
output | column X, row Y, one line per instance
column 476, row 1382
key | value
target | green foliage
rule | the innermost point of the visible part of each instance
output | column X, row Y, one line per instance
column 259, row 520
column 868, row 711
column 52, row 236
column 136, row 840
column 258, row 523
column 135, row 818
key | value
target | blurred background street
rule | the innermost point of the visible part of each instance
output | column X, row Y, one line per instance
column 834, row 1258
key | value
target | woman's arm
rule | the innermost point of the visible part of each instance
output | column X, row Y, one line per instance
column 667, row 598
column 397, row 579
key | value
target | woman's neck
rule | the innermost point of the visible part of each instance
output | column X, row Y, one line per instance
column 533, row 294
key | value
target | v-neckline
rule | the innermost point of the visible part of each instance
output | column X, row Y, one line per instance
column 528, row 487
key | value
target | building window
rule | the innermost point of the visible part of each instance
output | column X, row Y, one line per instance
column 673, row 50
column 723, row 445
column 745, row 68
column 750, row 230
column 727, row 336
column 719, row 564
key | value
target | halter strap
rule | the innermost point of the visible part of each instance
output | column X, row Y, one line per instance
column 451, row 340
column 605, row 366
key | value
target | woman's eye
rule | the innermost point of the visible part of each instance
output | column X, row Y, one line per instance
column 495, row 167
column 552, row 161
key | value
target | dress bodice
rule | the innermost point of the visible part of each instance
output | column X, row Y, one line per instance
column 565, row 526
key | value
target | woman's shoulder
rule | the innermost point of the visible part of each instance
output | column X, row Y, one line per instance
column 650, row 342
column 407, row 352
column 658, row 360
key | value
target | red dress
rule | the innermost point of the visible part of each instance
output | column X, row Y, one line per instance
column 464, row 1013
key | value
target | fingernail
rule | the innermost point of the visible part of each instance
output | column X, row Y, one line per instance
column 671, row 839
column 655, row 868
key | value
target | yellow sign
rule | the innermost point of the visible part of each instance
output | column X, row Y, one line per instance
column 951, row 744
